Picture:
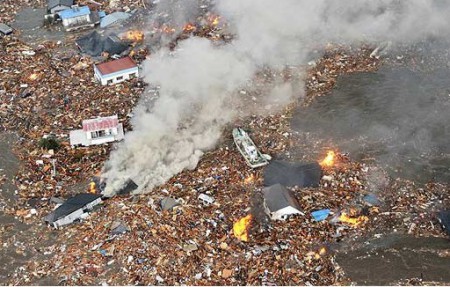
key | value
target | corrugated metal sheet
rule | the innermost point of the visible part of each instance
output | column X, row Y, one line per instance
column 113, row 18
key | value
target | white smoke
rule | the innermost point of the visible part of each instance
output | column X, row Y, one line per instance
column 200, row 80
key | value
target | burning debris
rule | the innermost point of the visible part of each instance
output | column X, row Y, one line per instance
column 133, row 36
column 158, row 133
column 241, row 228
column 329, row 160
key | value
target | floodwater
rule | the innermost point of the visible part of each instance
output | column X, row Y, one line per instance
column 30, row 23
column 16, row 237
column 397, row 116
column 394, row 257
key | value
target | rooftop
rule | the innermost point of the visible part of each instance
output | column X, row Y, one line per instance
column 53, row 3
column 74, row 12
column 116, row 65
column 278, row 197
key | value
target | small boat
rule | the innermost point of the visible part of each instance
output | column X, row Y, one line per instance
column 248, row 149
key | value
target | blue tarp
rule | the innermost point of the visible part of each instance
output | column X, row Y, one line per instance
column 320, row 215
column 74, row 12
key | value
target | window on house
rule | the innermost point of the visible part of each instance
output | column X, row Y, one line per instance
column 98, row 134
column 120, row 78
column 109, row 82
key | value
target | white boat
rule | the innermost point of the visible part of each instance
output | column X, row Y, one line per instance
column 248, row 149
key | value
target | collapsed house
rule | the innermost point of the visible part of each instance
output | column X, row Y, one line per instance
column 280, row 202
column 97, row 131
column 75, row 208
column 292, row 174
column 95, row 44
column 116, row 71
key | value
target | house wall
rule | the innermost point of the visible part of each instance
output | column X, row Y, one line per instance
column 113, row 77
column 283, row 213
column 74, row 21
column 69, row 218
column 77, row 214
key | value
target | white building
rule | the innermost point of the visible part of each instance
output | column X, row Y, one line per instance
column 97, row 131
column 78, row 18
column 75, row 208
column 279, row 202
column 116, row 71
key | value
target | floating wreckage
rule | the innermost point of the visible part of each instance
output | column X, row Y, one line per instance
column 248, row 149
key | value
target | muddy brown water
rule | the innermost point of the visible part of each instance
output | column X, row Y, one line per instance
column 395, row 257
column 15, row 235
column 398, row 116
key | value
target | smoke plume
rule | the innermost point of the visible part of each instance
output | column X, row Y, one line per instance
column 200, row 80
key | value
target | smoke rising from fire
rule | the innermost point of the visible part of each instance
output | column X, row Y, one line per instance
column 200, row 80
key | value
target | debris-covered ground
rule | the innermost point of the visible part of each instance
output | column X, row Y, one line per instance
column 49, row 89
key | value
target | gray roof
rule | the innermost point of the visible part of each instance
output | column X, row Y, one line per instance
column 113, row 18
column 71, row 205
column 278, row 197
column 53, row 3
column 5, row 29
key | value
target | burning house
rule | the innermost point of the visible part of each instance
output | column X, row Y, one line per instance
column 116, row 71
column 280, row 202
column 97, row 131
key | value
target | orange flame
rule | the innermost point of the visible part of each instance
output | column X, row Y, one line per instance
column 92, row 188
column 189, row 28
column 355, row 221
column 328, row 161
column 240, row 228
column 249, row 179
column 134, row 35
column 167, row 29
column 214, row 20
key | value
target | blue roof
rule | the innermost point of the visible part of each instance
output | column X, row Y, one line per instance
column 74, row 12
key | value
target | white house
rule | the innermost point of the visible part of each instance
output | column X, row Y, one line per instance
column 78, row 17
column 73, row 209
column 54, row 6
column 116, row 71
column 279, row 202
column 97, row 131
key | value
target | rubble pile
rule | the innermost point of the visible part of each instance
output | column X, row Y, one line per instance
column 49, row 89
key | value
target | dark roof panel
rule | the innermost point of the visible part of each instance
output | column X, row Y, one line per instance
column 72, row 204
column 278, row 197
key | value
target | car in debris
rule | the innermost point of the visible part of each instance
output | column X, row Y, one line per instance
column 253, row 157
column 74, row 208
